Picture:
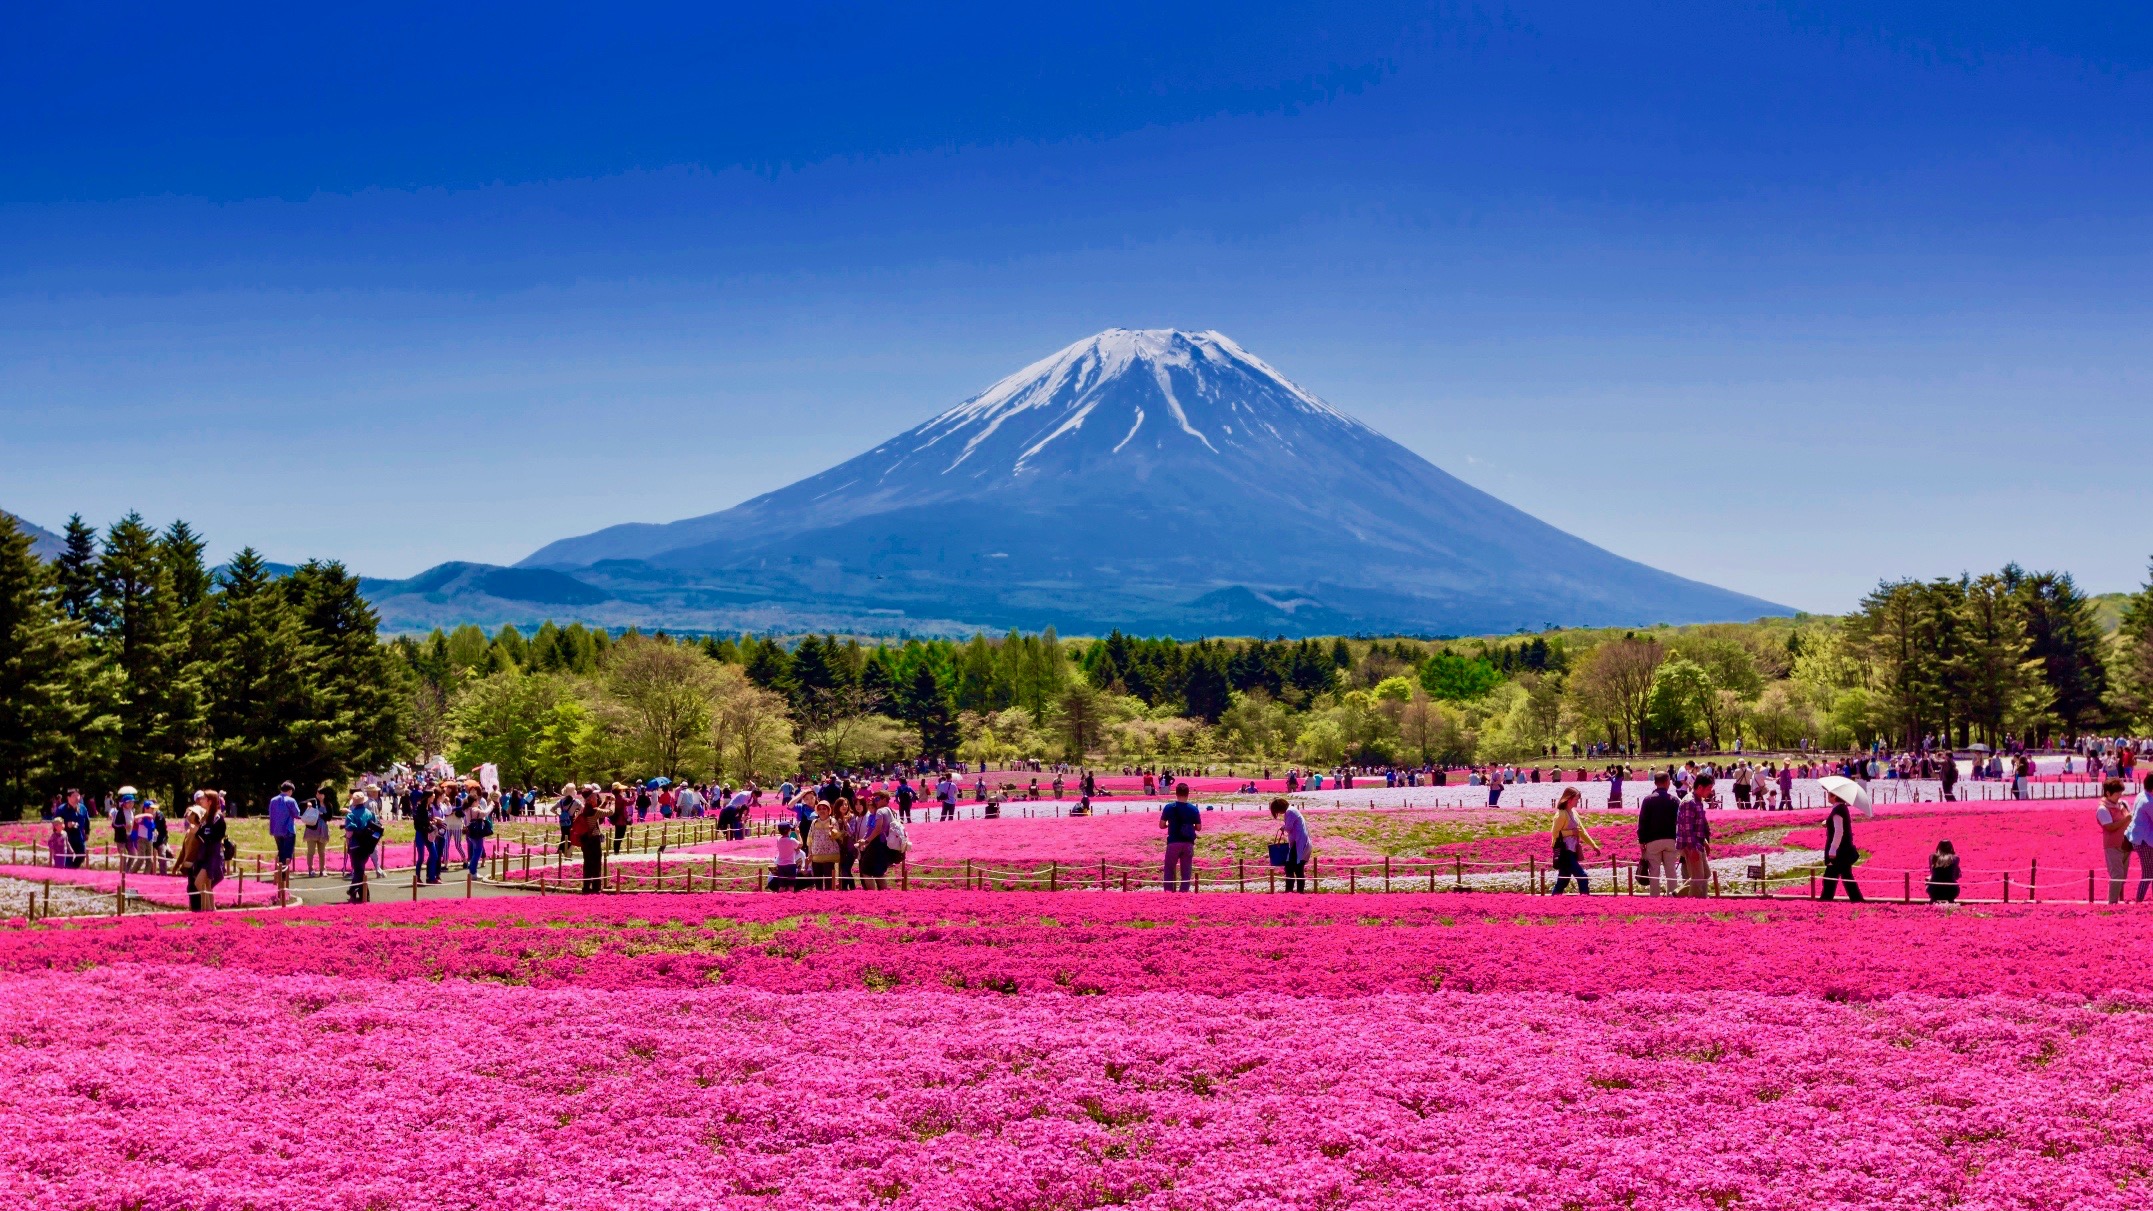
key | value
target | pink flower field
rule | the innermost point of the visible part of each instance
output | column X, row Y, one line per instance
column 938, row 1050
column 1991, row 839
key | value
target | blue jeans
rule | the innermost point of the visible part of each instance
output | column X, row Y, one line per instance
column 1569, row 866
column 434, row 849
column 474, row 853
column 285, row 845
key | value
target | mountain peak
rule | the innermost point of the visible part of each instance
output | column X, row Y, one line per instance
column 1094, row 399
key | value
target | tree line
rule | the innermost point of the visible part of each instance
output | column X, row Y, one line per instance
column 126, row 659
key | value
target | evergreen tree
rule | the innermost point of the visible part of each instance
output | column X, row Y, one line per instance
column 2063, row 635
column 361, row 713
column 1206, row 691
column 40, row 650
column 76, row 571
column 2133, row 669
column 508, row 641
column 187, row 743
column 257, row 688
column 139, row 634
column 926, row 704
column 767, row 664
column 545, row 653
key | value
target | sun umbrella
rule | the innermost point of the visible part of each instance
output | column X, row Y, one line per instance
column 659, row 782
column 1852, row 793
column 1977, row 748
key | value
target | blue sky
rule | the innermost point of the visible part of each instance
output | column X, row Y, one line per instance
column 1787, row 297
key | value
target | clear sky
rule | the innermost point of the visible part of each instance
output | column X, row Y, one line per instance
column 1788, row 297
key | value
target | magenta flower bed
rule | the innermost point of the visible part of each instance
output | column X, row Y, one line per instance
column 1027, row 1052
column 169, row 890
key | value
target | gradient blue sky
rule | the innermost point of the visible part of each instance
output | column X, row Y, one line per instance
column 1787, row 297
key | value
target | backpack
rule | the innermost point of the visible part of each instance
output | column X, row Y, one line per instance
column 894, row 838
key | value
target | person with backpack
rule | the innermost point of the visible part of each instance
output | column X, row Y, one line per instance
column 362, row 835
column 565, row 809
column 314, row 827
column 1182, row 821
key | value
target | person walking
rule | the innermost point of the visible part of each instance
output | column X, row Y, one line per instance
column 362, row 834
column 1693, row 837
column 1840, row 853
column 284, row 824
column 1656, row 837
column 1293, row 833
column 945, row 793
column 1943, row 885
column 2115, row 821
column 1182, row 821
column 1950, row 777
column 1570, row 838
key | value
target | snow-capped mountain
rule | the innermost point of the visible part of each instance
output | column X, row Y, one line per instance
column 1155, row 480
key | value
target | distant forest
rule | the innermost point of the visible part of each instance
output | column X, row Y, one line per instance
column 127, row 659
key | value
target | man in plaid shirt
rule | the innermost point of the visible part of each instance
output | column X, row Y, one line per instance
column 1693, row 835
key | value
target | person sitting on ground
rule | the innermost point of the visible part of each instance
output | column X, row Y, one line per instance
column 1944, row 874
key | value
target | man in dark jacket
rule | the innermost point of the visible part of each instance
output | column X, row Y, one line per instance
column 1656, row 836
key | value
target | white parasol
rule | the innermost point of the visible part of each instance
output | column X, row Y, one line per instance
column 1850, row 792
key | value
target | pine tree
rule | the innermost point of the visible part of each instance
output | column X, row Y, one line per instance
column 360, row 717
column 259, row 700
column 40, row 649
column 186, row 748
column 137, row 632
column 2063, row 635
column 925, row 703
column 76, row 571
